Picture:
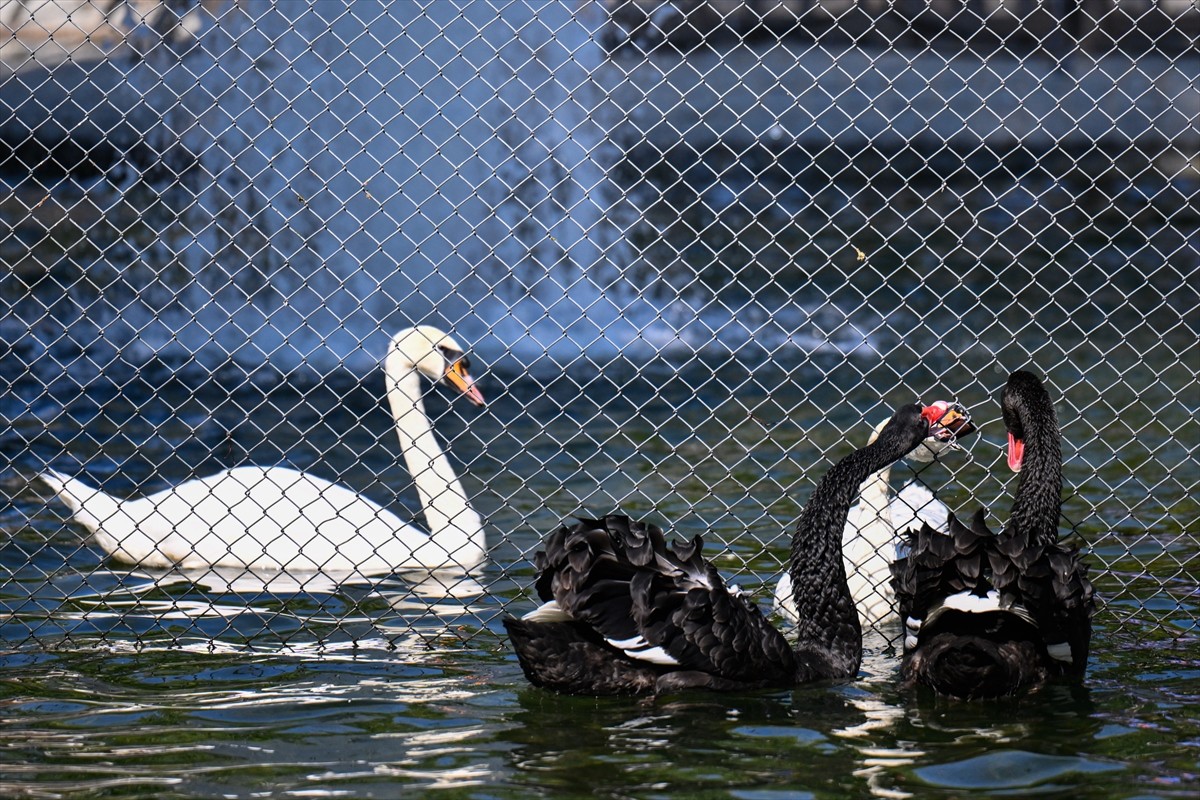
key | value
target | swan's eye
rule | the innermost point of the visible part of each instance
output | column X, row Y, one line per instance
column 453, row 356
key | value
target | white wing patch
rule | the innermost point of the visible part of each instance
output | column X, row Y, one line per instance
column 1059, row 652
column 655, row 655
column 548, row 612
column 639, row 649
column 973, row 603
column 633, row 642
column 912, row 632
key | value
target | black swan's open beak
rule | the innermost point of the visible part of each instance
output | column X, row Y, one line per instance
column 948, row 422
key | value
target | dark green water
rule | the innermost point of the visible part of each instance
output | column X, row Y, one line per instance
column 112, row 722
column 123, row 683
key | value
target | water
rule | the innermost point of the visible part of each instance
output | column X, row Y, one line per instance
column 133, row 683
column 379, row 723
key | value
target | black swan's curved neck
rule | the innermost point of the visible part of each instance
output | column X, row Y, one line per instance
column 1038, row 500
column 828, row 619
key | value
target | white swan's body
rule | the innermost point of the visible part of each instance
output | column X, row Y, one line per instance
column 280, row 518
column 869, row 540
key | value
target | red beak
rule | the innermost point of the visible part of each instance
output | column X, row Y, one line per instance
column 1016, row 453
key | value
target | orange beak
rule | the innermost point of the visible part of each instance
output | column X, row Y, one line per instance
column 948, row 420
column 458, row 377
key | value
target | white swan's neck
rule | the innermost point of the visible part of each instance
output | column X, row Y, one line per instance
column 455, row 528
column 874, row 510
column 874, row 507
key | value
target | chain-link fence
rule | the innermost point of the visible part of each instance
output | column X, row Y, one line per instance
column 692, row 252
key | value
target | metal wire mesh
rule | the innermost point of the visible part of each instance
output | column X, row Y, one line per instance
column 693, row 251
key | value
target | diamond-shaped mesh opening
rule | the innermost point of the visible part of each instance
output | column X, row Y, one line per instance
column 692, row 251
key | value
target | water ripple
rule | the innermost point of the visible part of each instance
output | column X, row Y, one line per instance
column 1009, row 769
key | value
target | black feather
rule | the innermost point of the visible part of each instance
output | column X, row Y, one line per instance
column 625, row 592
column 619, row 580
column 1044, row 599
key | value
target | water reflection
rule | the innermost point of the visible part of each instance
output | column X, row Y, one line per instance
column 390, row 716
column 731, row 742
column 865, row 738
column 447, row 594
column 1008, row 770
column 386, row 716
column 238, row 606
column 876, row 761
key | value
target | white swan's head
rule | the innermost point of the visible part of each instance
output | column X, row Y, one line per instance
column 948, row 422
column 435, row 354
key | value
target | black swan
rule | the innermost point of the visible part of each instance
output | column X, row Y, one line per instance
column 869, row 540
column 626, row 613
column 279, row 518
column 988, row 615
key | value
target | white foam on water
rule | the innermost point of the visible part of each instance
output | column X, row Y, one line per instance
column 357, row 173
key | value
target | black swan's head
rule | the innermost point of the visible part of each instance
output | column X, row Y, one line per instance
column 907, row 428
column 1024, row 402
column 914, row 429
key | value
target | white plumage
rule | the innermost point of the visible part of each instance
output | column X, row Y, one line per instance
column 869, row 540
column 282, row 519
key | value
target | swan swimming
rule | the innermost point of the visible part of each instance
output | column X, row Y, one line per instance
column 623, row 612
column 283, row 519
column 869, row 541
column 990, row 614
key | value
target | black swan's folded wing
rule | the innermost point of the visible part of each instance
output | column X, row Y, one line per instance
column 941, row 564
column 1045, row 585
column 1049, row 580
column 662, row 607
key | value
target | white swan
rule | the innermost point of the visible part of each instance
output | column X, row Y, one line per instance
column 279, row 518
column 869, row 539
column 623, row 612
